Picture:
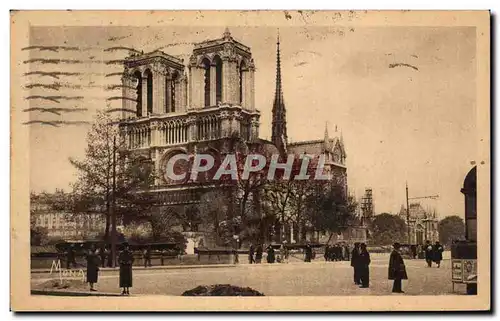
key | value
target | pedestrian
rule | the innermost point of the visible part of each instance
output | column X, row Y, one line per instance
column 355, row 263
column 92, row 267
column 284, row 250
column 70, row 257
column 397, row 269
column 251, row 252
column 413, row 248
column 364, row 266
column 258, row 254
column 126, row 259
column 147, row 256
column 270, row 254
column 429, row 253
column 438, row 253
column 308, row 253
column 338, row 252
column 327, row 253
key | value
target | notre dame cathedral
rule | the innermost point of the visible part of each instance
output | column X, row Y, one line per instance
column 171, row 108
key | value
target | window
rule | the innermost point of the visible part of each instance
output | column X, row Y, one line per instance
column 218, row 79
column 241, row 73
column 172, row 92
column 138, row 105
column 206, row 66
column 149, row 85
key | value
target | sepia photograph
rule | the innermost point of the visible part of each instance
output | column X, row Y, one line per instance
column 303, row 160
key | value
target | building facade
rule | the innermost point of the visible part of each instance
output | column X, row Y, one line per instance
column 171, row 108
column 64, row 225
column 423, row 224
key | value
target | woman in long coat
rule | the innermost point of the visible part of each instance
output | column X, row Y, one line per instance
column 92, row 267
column 438, row 253
column 364, row 266
column 126, row 259
column 355, row 263
column 397, row 269
column 308, row 253
column 270, row 254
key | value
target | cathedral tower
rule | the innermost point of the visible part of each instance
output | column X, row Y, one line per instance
column 279, row 136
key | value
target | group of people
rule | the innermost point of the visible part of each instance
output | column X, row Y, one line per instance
column 360, row 261
column 433, row 253
column 125, row 260
column 255, row 254
column 337, row 252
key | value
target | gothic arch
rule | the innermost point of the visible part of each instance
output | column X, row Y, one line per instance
column 149, row 87
column 206, row 66
column 138, row 107
column 242, row 68
column 217, row 62
column 173, row 85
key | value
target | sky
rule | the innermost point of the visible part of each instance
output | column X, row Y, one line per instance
column 404, row 98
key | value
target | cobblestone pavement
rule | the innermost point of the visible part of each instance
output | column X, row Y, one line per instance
column 293, row 279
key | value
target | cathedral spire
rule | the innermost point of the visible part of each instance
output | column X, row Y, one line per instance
column 279, row 135
column 327, row 137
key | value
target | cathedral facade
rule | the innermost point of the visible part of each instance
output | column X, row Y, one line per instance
column 171, row 108
column 423, row 224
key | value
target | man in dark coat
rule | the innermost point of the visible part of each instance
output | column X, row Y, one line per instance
column 308, row 253
column 429, row 253
column 147, row 256
column 270, row 254
column 258, row 254
column 364, row 266
column 438, row 253
column 397, row 269
column 327, row 253
column 126, row 259
column 251, row 252
column 92, row 267
column 355, row 263
column 70, row 257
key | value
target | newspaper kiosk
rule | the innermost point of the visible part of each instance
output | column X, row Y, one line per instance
column 464, row 253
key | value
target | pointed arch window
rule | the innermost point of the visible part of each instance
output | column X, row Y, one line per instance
column 218, row 79
column 174, row 80
column 206, row 66
column 149, row 88
column 241, row 73
column 138, row 88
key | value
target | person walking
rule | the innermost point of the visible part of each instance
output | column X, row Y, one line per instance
column 355, row 263
column 258, row 254
column 126, row 259
column 308, row 253
column 284, row 251
column 70, row 257
column 147, row 256
column 270, row 254
column 438, row 253
column 397, row 269
column 251, row 252
column 429, row 253
column 327, row 253
column 364, row 266
column 92, row 267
